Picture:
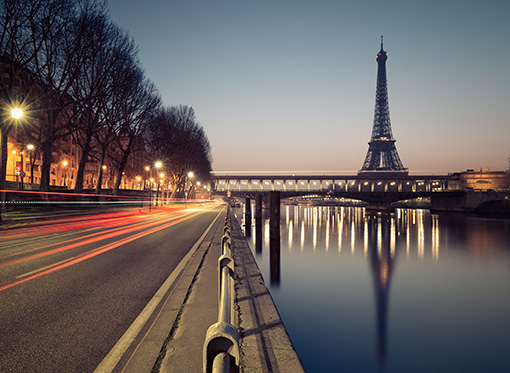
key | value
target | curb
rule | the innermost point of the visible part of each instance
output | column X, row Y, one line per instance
column 148, row 346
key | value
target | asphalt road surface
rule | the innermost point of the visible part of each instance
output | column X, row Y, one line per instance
column 69, row 289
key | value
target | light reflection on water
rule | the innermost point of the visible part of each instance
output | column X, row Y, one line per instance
column 409, row 291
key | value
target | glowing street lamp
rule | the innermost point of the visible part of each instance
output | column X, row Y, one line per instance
column 158, row 165
column 31, row 147
column 64, row 163
column 190, row 176
column 17, row 113
column 161, row 176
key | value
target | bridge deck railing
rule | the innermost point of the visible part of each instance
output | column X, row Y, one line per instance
column 334, row 184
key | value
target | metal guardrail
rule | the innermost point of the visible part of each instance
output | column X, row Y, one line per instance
column 221, row 348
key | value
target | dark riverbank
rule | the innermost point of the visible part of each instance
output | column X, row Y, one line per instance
column 495, row 209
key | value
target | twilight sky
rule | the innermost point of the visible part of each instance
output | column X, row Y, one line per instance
column 289, row 85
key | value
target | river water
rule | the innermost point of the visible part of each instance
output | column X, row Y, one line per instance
column 409, row 291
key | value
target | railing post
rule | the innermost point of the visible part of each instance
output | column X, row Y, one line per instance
column 247, row 217
column 274, row 236
column 258, row 223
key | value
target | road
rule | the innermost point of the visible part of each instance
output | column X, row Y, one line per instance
column 70, row 288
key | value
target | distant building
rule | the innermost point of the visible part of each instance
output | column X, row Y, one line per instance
column 482, row 180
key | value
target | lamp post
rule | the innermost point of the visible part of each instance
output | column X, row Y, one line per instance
column 161, row 176
column 31, row 148
column 17, row 114
column 22, row 171
column 197, row 190
column 103, row 176
column 158, row 165
column 65, row 172
column 149, row 169
column 190, row 176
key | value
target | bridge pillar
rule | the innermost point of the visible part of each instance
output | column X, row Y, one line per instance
column 274, row 236
column 247, row 217
column 258, row 223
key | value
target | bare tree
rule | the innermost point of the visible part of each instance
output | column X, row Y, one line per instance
column 55, row 29
column 180, row 142
column 136, row 108
column 99, row 80
column 123, row 82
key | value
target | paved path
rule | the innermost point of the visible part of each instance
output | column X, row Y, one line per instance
column 193, row 306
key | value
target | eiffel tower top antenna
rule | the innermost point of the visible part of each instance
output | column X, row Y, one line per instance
column 381, row 42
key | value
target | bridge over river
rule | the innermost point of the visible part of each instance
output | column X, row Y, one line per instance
column 373, row 188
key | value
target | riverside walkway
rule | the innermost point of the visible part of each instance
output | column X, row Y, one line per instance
column 176, row 338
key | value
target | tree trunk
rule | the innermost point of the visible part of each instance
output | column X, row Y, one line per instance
column 91, row 124
column 174, row 192
column 78, row 187
column 100, row 172
column 3, row 156
column 120, row 171
column 47, row 149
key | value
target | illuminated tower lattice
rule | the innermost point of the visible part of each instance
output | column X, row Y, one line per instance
column 382, row 155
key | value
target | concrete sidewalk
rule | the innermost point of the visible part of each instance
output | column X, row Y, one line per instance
column 265, row 344
column 175, row 336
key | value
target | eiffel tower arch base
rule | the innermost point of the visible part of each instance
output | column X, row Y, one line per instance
column 382, row 159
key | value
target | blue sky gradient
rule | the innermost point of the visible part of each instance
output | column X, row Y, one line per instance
column 290, row 85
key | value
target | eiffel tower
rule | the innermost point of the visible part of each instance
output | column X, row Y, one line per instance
column 382, row 156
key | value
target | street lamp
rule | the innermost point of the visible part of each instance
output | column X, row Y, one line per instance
column 103, row 177
column 158, row 165
column 31, row 148
column 17, row 114
column 147, row 169
column 190, row 176
column 65, row 172
column 161, row 176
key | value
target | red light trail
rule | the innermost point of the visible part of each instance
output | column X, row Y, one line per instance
column 124, row 228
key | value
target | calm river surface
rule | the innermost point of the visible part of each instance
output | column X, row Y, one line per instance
column 408, row 291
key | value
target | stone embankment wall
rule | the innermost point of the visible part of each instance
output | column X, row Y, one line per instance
column 471, row 201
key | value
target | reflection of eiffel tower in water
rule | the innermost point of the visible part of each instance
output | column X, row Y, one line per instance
column 382, row 257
